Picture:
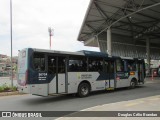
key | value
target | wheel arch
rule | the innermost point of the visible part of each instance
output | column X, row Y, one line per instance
column 135, row 79
column 85, row 81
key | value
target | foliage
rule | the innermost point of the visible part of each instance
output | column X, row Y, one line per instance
column 7, row 88
column 14, row 88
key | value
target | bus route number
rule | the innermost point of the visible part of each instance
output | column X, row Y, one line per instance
column 42, row 76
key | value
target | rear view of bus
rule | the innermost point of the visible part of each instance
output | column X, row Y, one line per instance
column 32, row 77
column 23, row 71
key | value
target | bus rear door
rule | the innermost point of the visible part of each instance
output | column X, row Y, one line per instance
column 109, row 68
column 141, row 71
column 121, row 74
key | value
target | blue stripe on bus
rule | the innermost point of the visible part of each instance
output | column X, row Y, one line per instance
column 105, row 76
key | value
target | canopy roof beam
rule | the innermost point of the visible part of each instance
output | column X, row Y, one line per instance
column 135, row 12
column 131, row 10
column 148, row 30
column 103, row 14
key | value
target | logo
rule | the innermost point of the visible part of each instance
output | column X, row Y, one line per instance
column 21, row 114
column 6, row 114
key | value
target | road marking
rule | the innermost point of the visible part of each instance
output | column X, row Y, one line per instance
column 152, row 81
column 133, row 103
column 154, row 99
column 130, row 103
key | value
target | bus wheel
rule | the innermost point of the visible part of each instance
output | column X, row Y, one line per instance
column 133, row 83
column 83, row 90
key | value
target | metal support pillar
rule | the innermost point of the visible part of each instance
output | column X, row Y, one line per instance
column 148, row 53
column 109, row 42
column 11, row 43
column 97, row 39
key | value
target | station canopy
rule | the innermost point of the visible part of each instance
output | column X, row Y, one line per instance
column 132, row 22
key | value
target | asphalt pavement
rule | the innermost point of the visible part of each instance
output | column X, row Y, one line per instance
column 145, row 97
column 147, row 108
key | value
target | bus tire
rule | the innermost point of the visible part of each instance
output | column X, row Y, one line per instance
column 83, row 89
column 133, row 83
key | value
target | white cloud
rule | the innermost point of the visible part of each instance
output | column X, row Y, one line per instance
column 31, row 19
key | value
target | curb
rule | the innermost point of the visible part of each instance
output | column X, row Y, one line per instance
column 10, row 93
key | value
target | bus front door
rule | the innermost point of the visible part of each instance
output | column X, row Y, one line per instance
column 57, row 74
column 61, row 75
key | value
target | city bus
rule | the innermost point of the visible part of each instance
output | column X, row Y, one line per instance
column 49, row 72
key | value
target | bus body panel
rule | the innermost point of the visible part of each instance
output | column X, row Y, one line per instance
column 98, row 85
column 122, row 83
column 74, row 79
column 39, row 89
column 61, row 83
column 126, row 82
column 52, row 86
column 73, row 82
column 24, row 89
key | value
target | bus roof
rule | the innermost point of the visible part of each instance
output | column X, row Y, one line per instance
column 81, row 53
column 94, row 53
column 57, row 52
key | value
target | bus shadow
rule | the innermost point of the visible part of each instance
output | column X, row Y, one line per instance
column 125, row 94
column 117, row 95
column 51, row 99
column 116, row 90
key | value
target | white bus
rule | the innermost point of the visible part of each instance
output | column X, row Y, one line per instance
column 48, row 72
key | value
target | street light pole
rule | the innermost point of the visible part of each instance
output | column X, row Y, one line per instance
column 50, row 30
column 11, row 42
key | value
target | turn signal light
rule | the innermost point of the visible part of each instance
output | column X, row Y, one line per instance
column 132, row 73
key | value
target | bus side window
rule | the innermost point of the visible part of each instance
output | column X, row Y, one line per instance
column 95, row 64
column 51, row 64
column 131, row 65
column 77, row 64
column 61, row 64
column 120, row 65
column 125, row 66
column 106, row 67
column 39, row 61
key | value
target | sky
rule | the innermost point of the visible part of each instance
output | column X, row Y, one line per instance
column 31, row 19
